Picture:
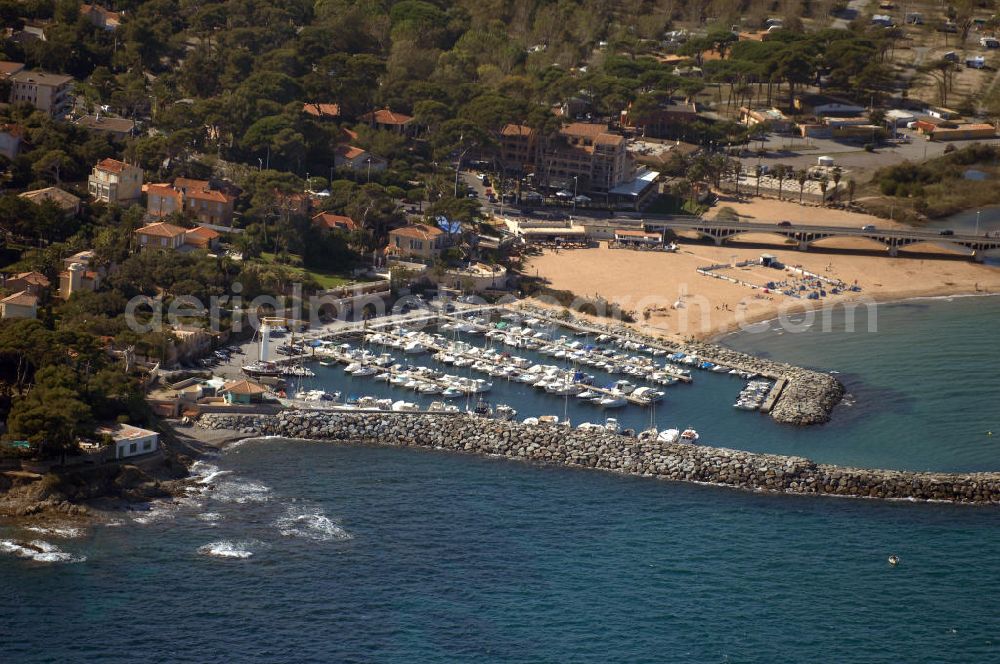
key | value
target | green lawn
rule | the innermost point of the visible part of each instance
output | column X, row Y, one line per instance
column 666, row 204
column 324, row 279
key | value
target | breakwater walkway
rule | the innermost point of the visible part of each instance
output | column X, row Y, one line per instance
column 610, row 452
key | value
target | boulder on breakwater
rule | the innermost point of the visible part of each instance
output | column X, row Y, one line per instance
column 611, row 452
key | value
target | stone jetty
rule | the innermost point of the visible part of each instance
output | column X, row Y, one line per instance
column 610, row 452
column 808, row 396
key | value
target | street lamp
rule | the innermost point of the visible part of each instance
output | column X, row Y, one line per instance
column 977, row 221
column 575, row 183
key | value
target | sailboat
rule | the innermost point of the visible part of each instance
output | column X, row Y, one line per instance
column 651, row 433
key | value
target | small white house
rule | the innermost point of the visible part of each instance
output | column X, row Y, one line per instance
column 130, row 441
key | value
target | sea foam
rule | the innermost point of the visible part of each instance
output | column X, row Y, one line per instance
column 65, row 532
column 39, row 551
column 310, row 524
column 241, row 491
column 238, row 550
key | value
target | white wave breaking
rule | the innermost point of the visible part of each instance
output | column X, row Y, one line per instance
column 158, row 511
column 210, row 517
column 207, row 472
column 233, row 550
column 66, row 532
column 39, row 551
column 241, row 491
column 310, row 524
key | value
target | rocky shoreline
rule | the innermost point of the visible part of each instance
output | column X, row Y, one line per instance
column 610, row 452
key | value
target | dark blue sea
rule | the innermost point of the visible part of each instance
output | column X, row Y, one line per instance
column 315, row 552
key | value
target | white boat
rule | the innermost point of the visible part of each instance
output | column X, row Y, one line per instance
column 611, row 424
column 564, row 388
column 405, row 407
column 367, row 403
column 647, row 395
column 587, row 394
column 689, row 436
column 669, row 436
column 441, row 407
column 365, row 371
column 505, row 412
column 430, row 388
column 414, row 348
column 623, row 386
column 452, row 393
column 612, row 401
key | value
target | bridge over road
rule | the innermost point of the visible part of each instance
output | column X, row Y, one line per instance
column 805, row 236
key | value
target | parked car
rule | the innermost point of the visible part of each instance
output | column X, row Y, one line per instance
column 784, row 223
column 868, row 227
column 947, row 231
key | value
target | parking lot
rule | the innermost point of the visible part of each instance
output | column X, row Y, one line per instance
column 804, row 152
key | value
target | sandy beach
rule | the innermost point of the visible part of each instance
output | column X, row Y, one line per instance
column 670, row 298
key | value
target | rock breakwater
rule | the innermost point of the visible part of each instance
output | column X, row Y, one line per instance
column 615, row 453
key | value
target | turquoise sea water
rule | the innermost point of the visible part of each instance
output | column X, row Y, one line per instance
column 380, row 554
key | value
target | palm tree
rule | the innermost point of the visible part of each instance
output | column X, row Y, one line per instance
column 837, row 174
column 737, row 172
column 851, row 184
column 803, row 176
column 758, row 171
column 780, row 172
column 824, row 183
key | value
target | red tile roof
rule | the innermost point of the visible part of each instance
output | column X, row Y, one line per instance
column 203, row 233
column 24, row 299
column 418, row 232
column 162, row 229
column 384, row 116
column 112, row 165
column 243, row 386
column 8, row 68
column 349, row 151
column 200, row 190
column 33, row 278
column 333, row 221
column 516, row 130
column 322, row 110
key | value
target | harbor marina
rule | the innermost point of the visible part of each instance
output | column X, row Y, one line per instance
column 547, row 374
